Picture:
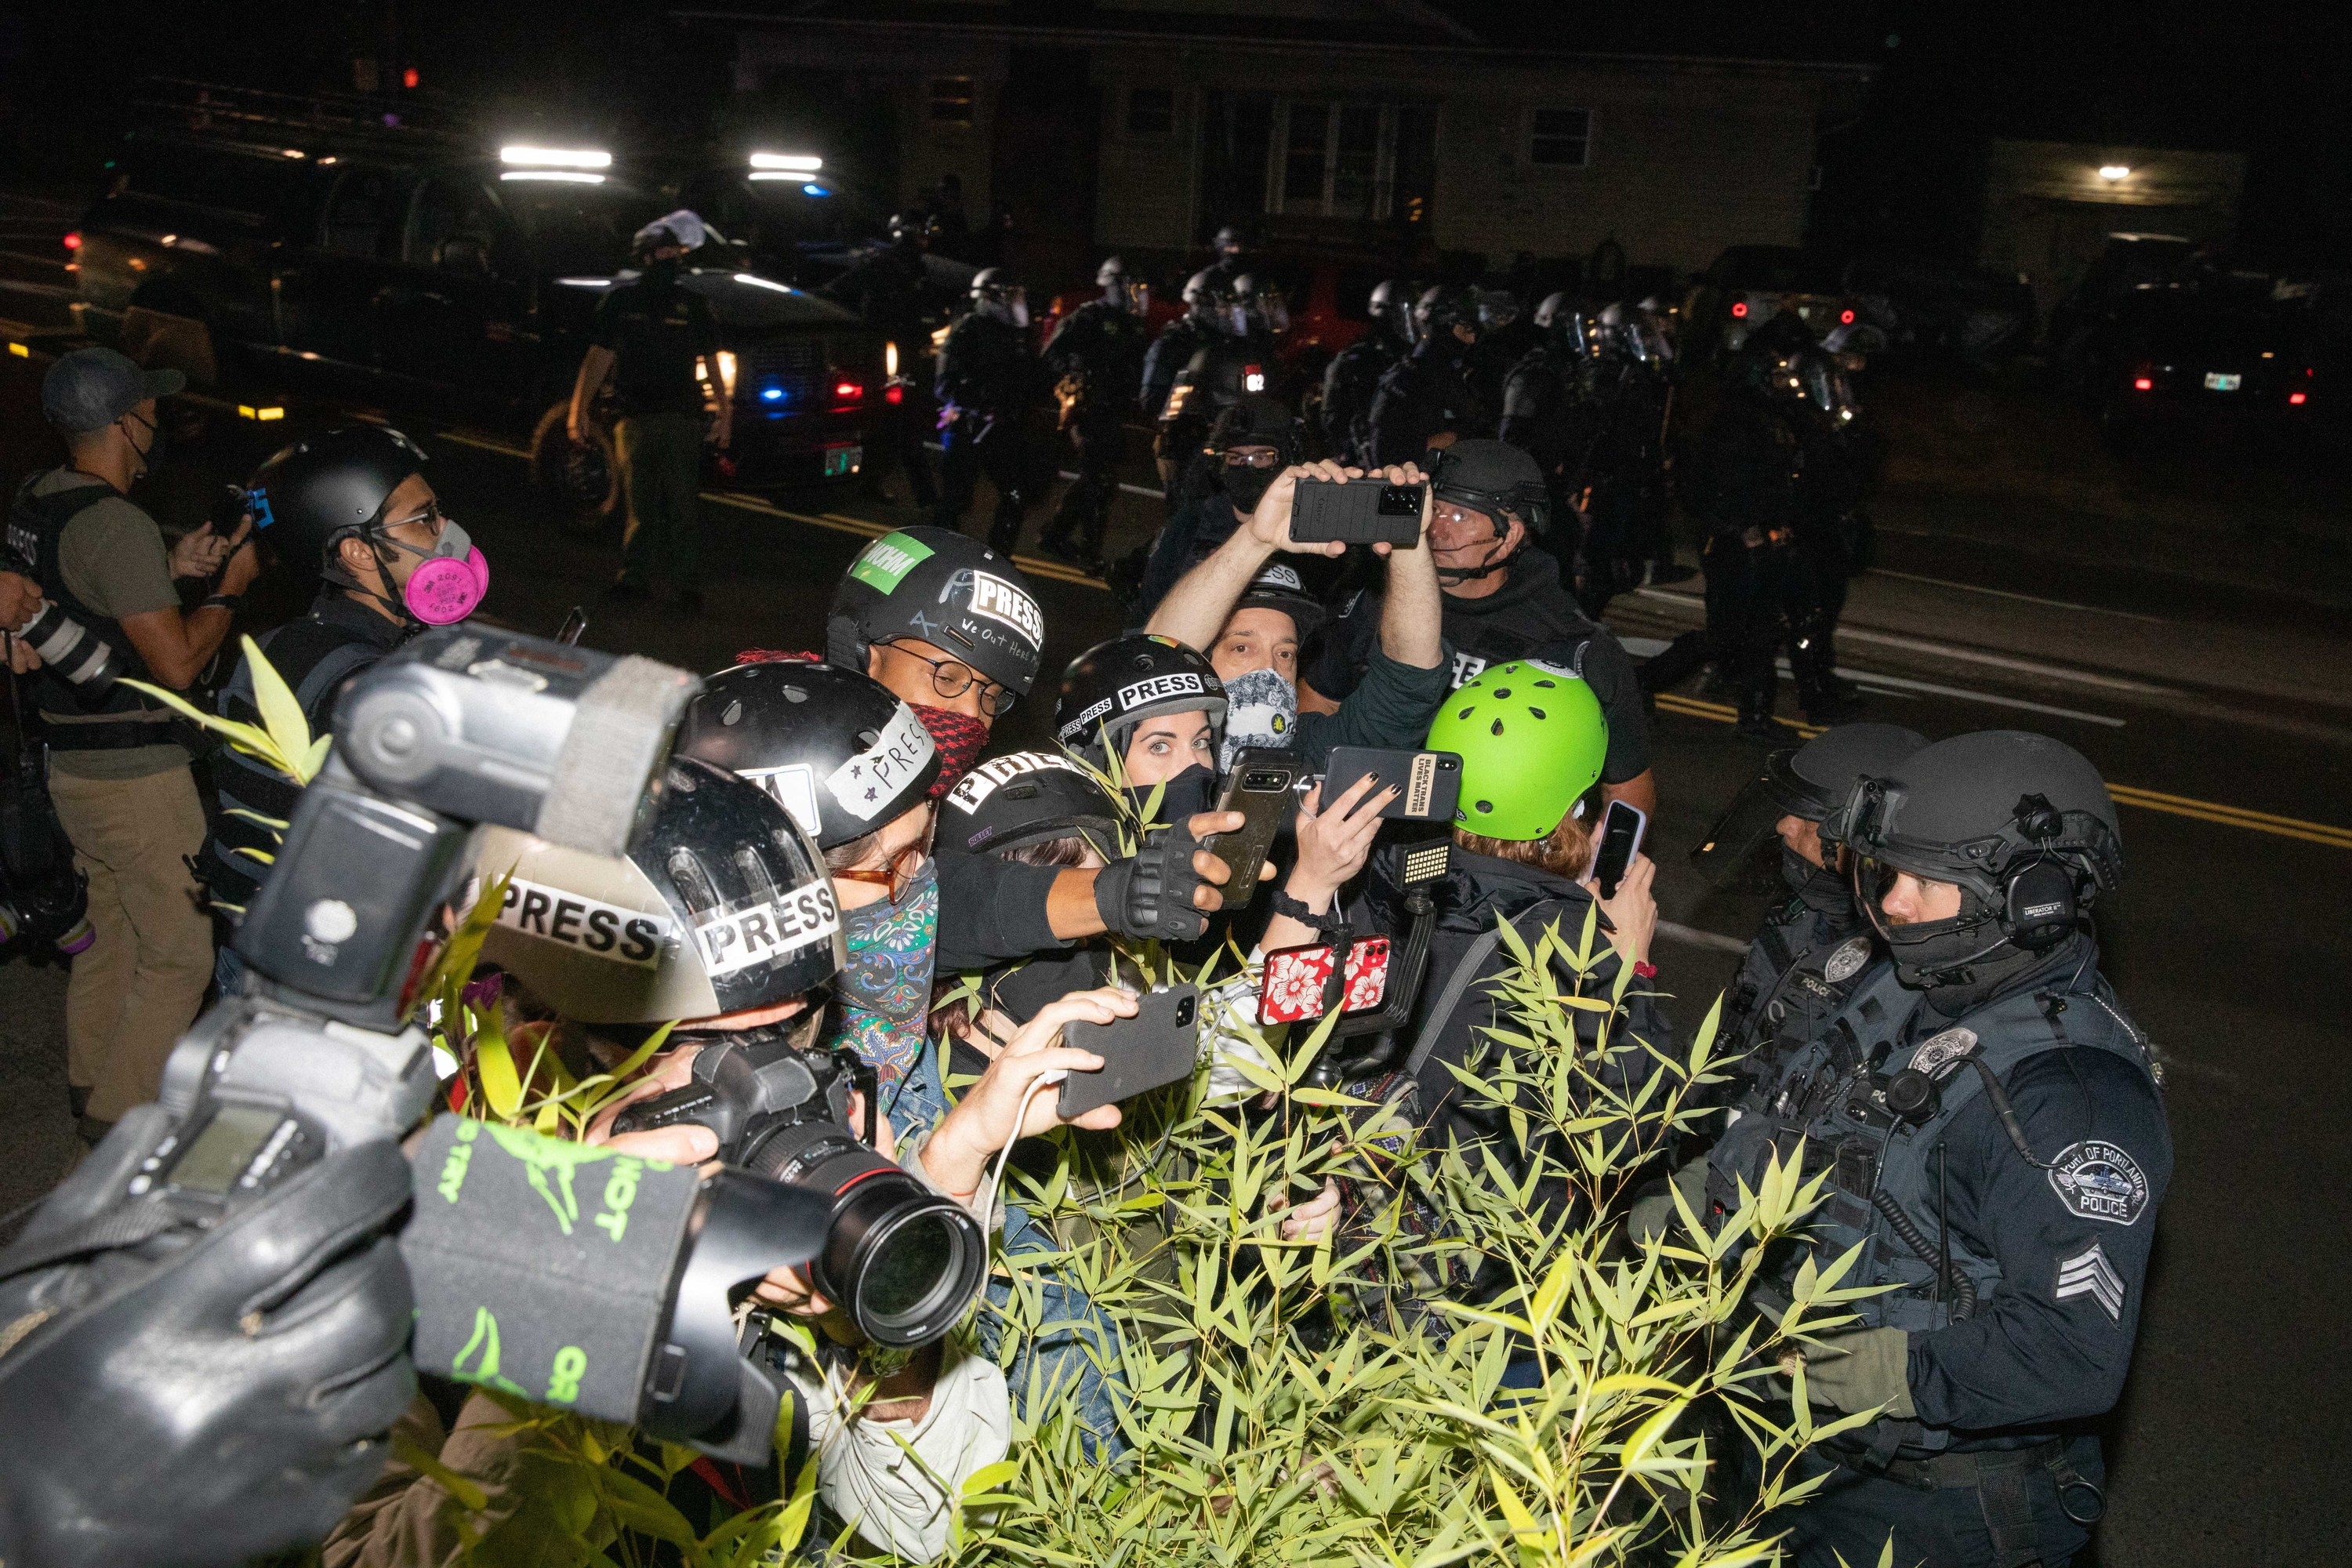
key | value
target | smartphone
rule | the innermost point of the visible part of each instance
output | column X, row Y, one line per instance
column 1295, row 978
column 1622, row 827
column 1356, row 512
column 1160, row 1045
column 1429, row 784
column 1260, row 788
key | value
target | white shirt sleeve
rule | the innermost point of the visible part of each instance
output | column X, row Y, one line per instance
column 902, row 1498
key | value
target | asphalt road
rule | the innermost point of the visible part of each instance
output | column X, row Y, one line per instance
column 2224, row 722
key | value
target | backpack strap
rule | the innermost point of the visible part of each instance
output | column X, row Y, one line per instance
column 1434, row 1026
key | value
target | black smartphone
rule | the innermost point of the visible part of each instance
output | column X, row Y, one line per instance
column 1260, row 788
column 1622, row 827
column 1429, row 784
column 1356, row 512
column 1160, row 1045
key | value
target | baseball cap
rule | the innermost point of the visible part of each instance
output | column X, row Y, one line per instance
column 90, row 389
column 684, row 227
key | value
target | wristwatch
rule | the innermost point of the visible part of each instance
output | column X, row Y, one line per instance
column 228, row 601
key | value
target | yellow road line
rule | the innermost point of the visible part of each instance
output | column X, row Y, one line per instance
column 483, row 442
column 2125, row 795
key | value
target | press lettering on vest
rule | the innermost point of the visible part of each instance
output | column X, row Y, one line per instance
column 573, row 919
column 1184, row 683
column 870, row 780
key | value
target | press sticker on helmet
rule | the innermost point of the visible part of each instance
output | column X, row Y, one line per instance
column 990, row 776
column 1078, row 726
column 573, row 919
column 884, row 564
column 793, row 786
column 1183, row 683
column 874, row 776
column 764, row 930
column 1000, row 601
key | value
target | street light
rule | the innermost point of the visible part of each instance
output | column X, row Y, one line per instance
column 2114, row 172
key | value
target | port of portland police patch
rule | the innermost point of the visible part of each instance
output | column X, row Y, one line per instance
column 2099, row 1180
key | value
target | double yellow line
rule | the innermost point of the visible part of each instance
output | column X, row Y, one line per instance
column 1035, row 565
column 2125, row 795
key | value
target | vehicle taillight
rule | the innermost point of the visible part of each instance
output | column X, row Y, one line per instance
column 848, row 392
column 2297, row 399
column 1739, row 310
column 2143, row 383
column 73, row 240
column 1846, row 317
column 894, row 393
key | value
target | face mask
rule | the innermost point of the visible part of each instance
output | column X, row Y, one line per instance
column 958, row 737
column 662, row 271
column 885, row 989
column 1823, row 892
column 1245, row 485
column 152, row 453
column 1187, row 794
column 1261, row 710
column 449, row 582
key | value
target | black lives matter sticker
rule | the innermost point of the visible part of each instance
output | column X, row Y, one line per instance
column 605, row 931
column 2098, row 1179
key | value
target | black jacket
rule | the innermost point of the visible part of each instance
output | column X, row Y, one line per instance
column 1429, row 392
column 986, row 368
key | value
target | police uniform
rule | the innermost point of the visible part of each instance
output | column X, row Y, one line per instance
column 1350, row 383
column 1101, row 346
column 1430, row 392
column 887, row 290
column 986, row 380
column 656, row 330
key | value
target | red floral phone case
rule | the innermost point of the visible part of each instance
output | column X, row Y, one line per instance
column 1292, row 989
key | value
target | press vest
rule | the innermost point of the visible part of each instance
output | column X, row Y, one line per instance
column 36, row 527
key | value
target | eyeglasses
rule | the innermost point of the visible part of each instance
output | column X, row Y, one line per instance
column 1260, row 461
column 950, row 679
column 433, row 517
column 901, row 870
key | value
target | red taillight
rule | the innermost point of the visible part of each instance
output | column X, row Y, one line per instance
column 2143, row 383
column 894, row 393
column 1845, row 318
column 1739, row 310
column 73, row 240
column 848, row 392
column 2297, row 399
column 409, row 78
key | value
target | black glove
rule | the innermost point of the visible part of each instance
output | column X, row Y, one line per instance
column 1149, row 895
column 205, row 1402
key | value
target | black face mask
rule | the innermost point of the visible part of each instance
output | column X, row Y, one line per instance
column 1187, row 794
column 1246, row 486
column 1823, row 892
column 661, row 272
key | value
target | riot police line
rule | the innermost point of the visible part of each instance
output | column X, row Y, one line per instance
column 783, row 858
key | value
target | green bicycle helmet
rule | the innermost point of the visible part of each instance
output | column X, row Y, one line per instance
column 1532, row 737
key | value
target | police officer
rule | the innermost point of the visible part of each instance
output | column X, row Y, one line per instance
column 354, row 507
column 1744, row 487
column 1989, row 1123
column 1502, row 600
column 1548, row 414
column 1236, row 359
column 1213, row 309
column 1815, row 939
column 1353, row 377
column 1231, row 252
column 1096, row 352
column 1505, row 335
column 987, row 379
column 891, row 290
column 656, row 340
column 1832, row 535
column 1431, row 392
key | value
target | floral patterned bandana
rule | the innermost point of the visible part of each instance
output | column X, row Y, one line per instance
column 884, row 993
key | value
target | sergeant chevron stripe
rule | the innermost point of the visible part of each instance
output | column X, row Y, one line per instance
column 2090, row 1273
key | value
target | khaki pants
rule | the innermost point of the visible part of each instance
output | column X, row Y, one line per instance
column 139, row 985
column 661, row 470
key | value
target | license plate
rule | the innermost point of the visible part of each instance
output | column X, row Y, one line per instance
column 839, row 461
column 2220, row 381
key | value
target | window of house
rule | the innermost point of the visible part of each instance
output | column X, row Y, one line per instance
column 1561, row 138
column 950, row 99
column 1333, row 159
column 1150, row 110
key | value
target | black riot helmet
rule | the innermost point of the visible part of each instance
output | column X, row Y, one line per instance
column 1564, row 325
column 913, row 229
column 1494, row 478
column 1443, row 307
column 1129, row 294
column 1228, row 243
column 722, row 905
column 2021, row 823
column 317, row 492
column 834, row 746
column 1027, row 798
column 1114, row 686
column 941, row 587
column 996, row 294
column 1809, row 781
column 1390, row 307
column 1262, row 303
column 1212, row 301
column 1763, row 366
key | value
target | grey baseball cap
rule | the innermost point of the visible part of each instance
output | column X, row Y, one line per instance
column 90, row 389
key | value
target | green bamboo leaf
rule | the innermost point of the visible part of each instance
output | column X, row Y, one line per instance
column 314, row 759
column 468, row 1493
column 281, row 715
column 501, row 1083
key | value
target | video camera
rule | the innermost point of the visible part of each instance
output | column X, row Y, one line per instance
column 569, row 1274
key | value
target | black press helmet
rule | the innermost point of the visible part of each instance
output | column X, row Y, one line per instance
column 1443, row 306
column 316, row 492
column 944, row 588
column 1024, row 798
column 1494, row 478
column 721, row 905
column 834, row 746
column 1809, row 781
column 1114, row 686
column 2021, row 823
